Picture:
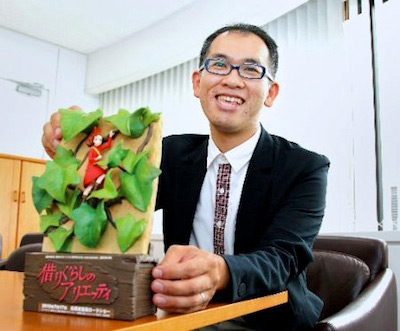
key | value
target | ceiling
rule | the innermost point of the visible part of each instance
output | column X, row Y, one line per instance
column 84, row 25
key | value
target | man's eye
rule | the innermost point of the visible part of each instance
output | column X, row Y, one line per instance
column 219, row 65
column 251, row 68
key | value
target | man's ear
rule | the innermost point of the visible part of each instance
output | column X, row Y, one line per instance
column 196, row 83
column 272, row 94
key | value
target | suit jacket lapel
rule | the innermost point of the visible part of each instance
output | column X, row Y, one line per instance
column 255, row 188
column 191, row 176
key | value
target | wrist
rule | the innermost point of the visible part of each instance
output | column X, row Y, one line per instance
column 223, row 272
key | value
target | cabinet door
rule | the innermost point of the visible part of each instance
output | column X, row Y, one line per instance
column 28, row 218
column 9, row 196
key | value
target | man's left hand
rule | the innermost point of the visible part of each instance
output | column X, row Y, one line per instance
column 187, row 279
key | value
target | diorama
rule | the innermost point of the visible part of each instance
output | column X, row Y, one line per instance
column 96, row 202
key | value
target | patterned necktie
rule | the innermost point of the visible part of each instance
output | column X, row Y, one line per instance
column 221, row 206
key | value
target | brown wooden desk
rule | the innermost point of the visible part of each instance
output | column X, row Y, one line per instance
column 13, row 318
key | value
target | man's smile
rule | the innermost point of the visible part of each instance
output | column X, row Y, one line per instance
column 230, row 99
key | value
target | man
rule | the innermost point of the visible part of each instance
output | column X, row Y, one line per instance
column 241, row 207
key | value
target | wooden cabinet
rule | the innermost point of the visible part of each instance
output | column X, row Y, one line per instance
column 17, row 212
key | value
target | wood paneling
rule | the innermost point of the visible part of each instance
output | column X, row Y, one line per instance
column 28, row 218
column 17, row 213
column 9, row 198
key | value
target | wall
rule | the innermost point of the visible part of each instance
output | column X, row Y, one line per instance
column 177, row 39
column 61, row 71
column 388, row 27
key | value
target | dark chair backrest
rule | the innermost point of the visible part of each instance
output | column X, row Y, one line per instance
column 31, row 238
column 16, row 260
column 372, row 251
column 342, row 267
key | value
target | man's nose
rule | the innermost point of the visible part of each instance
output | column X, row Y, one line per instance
column 233, row 79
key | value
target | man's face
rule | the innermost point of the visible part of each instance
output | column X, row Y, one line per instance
column 231, row 103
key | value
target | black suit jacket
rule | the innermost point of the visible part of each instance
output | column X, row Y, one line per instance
column 279, row 216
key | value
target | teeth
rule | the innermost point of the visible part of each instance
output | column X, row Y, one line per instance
column 230, row 99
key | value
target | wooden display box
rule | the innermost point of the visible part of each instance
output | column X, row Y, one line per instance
column 112, row 286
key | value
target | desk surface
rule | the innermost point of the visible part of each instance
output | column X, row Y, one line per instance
column 12, row 317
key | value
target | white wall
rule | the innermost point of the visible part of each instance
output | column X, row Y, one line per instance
column 388, row 27
column 61, row 71
column 314, row 107
column 174, row 40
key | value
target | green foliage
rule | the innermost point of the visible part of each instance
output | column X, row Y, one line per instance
column 114, row 157
column 136, row 123
column 51, row 219
column 61, row 239
column 129, row 231
column 138, row 186
column 89, row 223
column 71, row 198
column 74, row 122
column 56, row 179
column 65, row 157
column 120, row 121
column 41, row 199
column 131, row 160
column 149, row 117
column 108, row 191
column 133, row 125
column 58, row 184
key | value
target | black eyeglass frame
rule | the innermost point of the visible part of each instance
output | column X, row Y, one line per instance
column 265, row 72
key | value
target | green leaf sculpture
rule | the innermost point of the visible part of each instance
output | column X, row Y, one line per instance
column 133, row 125
column 49, row 220
column 108, row 191
column 136, row 123
column 89, row 223
column 74, row 122
column 129, row 231
column 65, row 157
column 71, row 198
column 56, row 179
column 121, row 121
column 114, row 157
column 75, row 211
column 61, row 239
column 131, row 160
column 41, row 199
column 149, row 117
column 138, row 186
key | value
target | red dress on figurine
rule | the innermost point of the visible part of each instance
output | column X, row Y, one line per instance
column 93, row 171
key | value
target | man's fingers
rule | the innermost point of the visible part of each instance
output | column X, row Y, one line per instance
column 75, row 107
column 176, row 253
column 184, row 287
column 184, row 270
column 48, row 139
column 182, row 304
column 52, row 132
column 55, row 121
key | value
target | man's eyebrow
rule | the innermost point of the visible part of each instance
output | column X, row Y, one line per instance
column 245, row 60
column 251, row 60
column 219, row 55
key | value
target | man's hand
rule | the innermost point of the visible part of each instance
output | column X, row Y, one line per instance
column 52, row 133
column 187, row 279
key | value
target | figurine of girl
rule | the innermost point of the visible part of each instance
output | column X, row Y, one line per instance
column 95, row 174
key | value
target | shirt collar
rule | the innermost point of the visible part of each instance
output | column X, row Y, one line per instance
column 238, row 156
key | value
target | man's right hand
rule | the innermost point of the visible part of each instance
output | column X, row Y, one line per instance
column 52, row 133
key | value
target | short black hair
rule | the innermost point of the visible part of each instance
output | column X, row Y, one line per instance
column 245, row 28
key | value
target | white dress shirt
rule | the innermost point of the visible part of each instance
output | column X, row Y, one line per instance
column 203, row 225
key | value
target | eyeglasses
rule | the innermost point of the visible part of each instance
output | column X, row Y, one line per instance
column 223, row 67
